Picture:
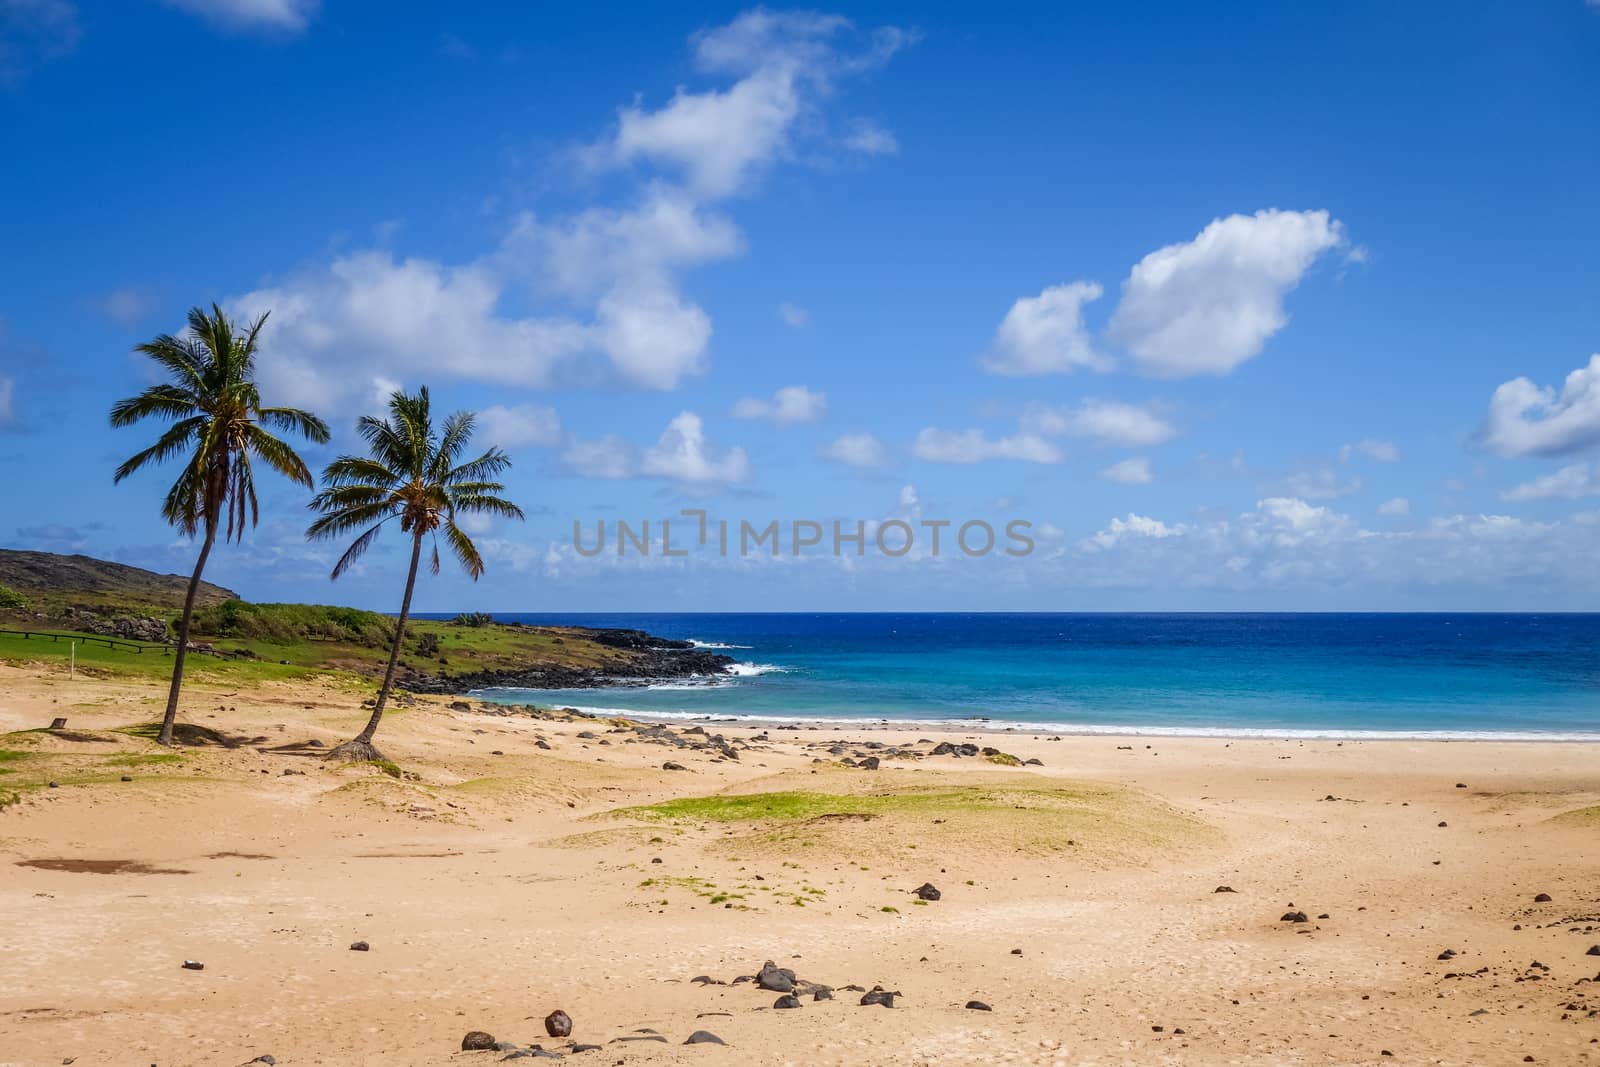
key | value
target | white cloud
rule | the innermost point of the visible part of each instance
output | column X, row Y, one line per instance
column 972, row 446
column 334, row 331
column 1045, row 334
column 789, row 405
column 1398, row 506
column 605, row 283
column 520, row 424
column 793, row 315
column 290, row 16
column 869, row 138
column 1129, row 472
column 1207, row 305
column 1107, row 421
column 1569, row 483
column 8, row 389
column 857, row 450
column 683, row 454
column 1288, row 545
column 1135, row 526
column 1379, row 451
column 720, row 139
column 1527, row 420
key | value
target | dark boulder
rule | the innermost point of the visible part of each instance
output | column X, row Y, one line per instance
column 478, row 1041
column 558, row 1024
column 775, row 979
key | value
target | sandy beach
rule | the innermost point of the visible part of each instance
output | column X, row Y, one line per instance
column 502, row 876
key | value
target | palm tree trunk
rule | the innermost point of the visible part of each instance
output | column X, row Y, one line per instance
column 361, row 746
column 165, row 737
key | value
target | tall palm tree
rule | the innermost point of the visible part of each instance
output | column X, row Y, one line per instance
column 415, row 475
column 218, row 424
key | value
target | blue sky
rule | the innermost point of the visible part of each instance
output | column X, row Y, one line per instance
column 1242, row 306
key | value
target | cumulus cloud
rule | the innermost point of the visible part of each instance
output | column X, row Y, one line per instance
column 1378, row 451
column 1569, row 483
column 1529, row 420
column 1129, row 472
column 784, row 63
column 519, row 424
column 598, row 293
column 1397, row 506
column 683, row 454
column 1288, row 545
column 973, row 446
column 789, row 405
column 1045, row 334
column 1207, row 305
column 857, row 450
column 283, row 16
column 1135, row 526
column 337, row 330
column 1107, row 421
column 793, row 315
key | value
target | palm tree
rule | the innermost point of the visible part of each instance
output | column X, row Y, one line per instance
column 218, row 424
column 414, row 475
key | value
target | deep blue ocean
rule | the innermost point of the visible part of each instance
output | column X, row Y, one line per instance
column 1342, row 675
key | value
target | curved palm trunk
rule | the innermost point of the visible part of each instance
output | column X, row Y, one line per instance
column 165, row 737
column 361, row 746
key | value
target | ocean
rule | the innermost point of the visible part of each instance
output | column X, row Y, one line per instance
column 1465, row 676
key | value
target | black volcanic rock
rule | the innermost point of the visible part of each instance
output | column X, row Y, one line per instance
column 654, row 659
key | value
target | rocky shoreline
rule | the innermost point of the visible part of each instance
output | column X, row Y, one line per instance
column 653, row 659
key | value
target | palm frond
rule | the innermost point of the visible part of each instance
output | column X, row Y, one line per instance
column 177, row 439
column 465, row 551
column 158, row 401
column 304, row 423
column 278, row 454
column 357, row 549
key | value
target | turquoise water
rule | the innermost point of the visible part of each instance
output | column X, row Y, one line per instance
column 1339, row 675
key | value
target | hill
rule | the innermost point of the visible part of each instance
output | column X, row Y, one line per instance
column 52, row 582
column 78, row 595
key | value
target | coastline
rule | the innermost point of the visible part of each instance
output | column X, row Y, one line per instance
column 1008, row 727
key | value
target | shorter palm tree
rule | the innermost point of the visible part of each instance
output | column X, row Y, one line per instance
column 412, row 474
column 218, row 423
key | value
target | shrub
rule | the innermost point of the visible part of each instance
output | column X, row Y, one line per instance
column 428, row 644
column 294, row 622
column 473, row 619
column 10, row 598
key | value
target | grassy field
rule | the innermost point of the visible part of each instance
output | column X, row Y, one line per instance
column 46, row 593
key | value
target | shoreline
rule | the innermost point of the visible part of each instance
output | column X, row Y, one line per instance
column 1013, row 727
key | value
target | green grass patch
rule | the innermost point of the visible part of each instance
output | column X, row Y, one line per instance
column 144, row 759
column 1095, row 824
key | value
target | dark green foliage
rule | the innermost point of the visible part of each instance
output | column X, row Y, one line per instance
column 285, row 623
column 473, row 619
column 10, row 598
